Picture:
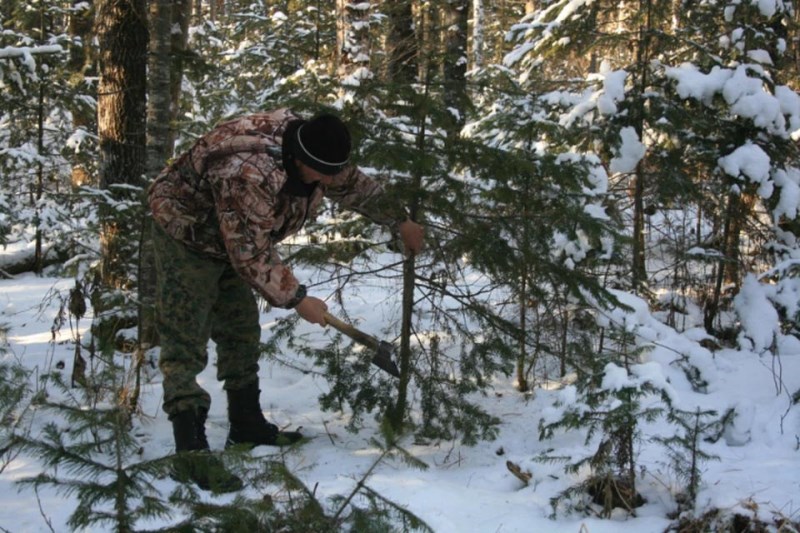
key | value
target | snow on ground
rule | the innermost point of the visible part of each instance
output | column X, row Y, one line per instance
column 465, row 489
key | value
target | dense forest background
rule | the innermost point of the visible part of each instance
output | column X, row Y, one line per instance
column 562, row 155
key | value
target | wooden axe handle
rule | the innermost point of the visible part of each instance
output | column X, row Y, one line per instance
column 382, row 357
column 351, row 331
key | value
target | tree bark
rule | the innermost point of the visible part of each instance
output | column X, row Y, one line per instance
column 181, row 16
column 455, row 16
column 402, row 42
column 121, row 29
column 478, row 29
column 159, row 149
column 742, row 208
column 639, row 267
column 353, row 37
column 159, row 102
column 82, row 60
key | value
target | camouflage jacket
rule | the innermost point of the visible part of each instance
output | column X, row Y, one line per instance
column 224, row 199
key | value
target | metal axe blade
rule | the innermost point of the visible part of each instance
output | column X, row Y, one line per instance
column 382, row 357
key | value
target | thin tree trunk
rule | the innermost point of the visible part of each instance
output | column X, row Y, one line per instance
column 40, row 148
column 456, row 14
column 522, row 379
column 398, row 412
column 82, row 60
column 639, row 268
column 159, row 103
column 402, row 70
column 402, row 42
column 38, row 258
column 341, row 33
column 643, row 58
column 159, row 149
column 712, row 306
column 743, row 206
column 80, row 25
column 396, row 415
column 478, row 30
column 181, row 15
column 353, row 32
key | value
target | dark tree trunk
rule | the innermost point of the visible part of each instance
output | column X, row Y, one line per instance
column 456, row 14
column 402, row 42
column 181, row 15
column 121, row 29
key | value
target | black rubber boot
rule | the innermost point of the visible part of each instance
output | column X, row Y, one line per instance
column 248, row 425
column 194, row 462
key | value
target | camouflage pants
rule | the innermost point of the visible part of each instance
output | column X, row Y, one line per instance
column 198, row 298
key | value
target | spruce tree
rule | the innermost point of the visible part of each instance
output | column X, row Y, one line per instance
column 398, row 132
column 611, row 400
column 41, row 138
column 671, row 114
column 15, row 393
column 685, row 450
column 283, row 502
column 681, row 118
column 88, row 451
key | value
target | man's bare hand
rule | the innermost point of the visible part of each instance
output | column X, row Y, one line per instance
column 312, row 310
column 413, row 236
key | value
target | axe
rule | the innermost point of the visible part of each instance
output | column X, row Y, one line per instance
column 383, row 350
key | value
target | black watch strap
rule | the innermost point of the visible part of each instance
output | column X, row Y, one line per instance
column 299, row 295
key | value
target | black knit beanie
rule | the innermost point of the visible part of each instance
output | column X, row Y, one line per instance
column 323, row 143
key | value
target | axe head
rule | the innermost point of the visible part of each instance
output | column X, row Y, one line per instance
column 383, row 358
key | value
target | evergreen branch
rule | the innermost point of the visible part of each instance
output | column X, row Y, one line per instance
column 407, row 457
column 14, row 52
column 361, row 483
column 56, row 452
column 293, row 483
column 414, row 521
column 41, row 511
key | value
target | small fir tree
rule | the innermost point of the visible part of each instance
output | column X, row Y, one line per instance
column 15, row 392
column 287, row 504
column 613, row 397
column 40, row 100
column 88, row 450
column 684, row 449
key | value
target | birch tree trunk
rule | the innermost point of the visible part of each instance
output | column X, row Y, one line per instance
column 159, row 149
column 159, row 101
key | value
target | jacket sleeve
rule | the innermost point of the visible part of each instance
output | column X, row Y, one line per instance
column 354, row 190
column 245, row 202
